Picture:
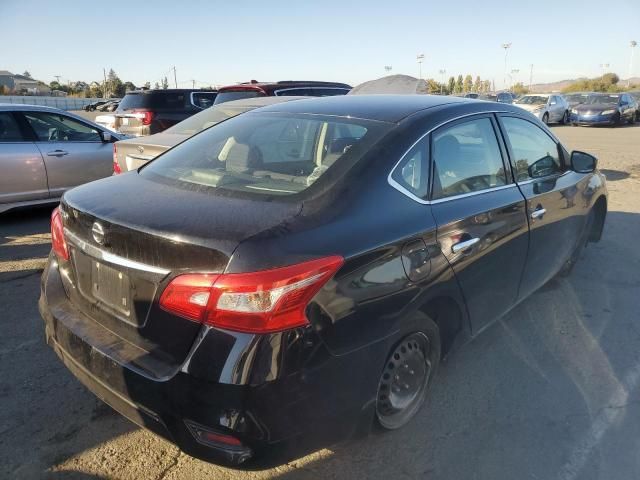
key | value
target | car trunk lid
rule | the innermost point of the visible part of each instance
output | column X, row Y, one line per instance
column 126, row 246
column 132, row 154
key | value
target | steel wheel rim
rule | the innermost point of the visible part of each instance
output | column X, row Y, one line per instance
column 404, row 381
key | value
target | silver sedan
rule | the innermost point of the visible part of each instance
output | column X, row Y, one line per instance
column 45, row 151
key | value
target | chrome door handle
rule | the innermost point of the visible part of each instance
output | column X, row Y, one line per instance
column 538, row 213
column 57, row 153
column 461, row 246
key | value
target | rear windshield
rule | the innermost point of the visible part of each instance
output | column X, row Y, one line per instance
column 266, row 153
column 532, row 100
column 154, row 100
column 206, row 119
column 237, row 95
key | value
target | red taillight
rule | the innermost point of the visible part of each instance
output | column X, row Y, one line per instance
column 145, row 116
column 116, row 165
column 58, row 243
column 258, row 302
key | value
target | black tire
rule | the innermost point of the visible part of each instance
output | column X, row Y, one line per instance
column 632, row 120
column 405, row 380
column 565, row 118
column 545, row 119
column 567, row 268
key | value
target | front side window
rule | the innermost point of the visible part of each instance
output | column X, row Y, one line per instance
column 269, row 154
column 53, row 127
column 9, row 129
column 535, row 153
column 467, row 159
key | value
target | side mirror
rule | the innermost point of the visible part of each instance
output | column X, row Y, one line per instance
column 582, row 162
column 106, row 137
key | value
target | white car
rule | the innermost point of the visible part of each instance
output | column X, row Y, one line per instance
column 549, row 108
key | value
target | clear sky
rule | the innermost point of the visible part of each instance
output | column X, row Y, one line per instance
column 216, row 42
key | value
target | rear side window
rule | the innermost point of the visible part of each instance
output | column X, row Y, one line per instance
column 9, row 129
column 203, row 99
column 265, row 153
column 535, row 154
column 467, row 159
column 412, row 173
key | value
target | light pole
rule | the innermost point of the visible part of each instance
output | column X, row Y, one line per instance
column 443, row 72
column 633, row 45
column 530, row 76
column 514, row 72
column 506, row 47
column 603, row 66
column 419, row 59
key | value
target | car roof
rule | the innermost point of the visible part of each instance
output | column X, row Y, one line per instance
column 272, row 86
column 384, row 108
column 170, row 90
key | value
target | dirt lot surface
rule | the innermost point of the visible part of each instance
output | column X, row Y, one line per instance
column 551, row 391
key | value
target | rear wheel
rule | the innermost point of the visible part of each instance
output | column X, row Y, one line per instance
column 545, row 119
column 565, row 118
column 406, row 377
column 632, row 120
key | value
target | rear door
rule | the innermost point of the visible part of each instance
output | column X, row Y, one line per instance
column 481, row 215
column 24, row 176
column 554, row 208
column 73, row 151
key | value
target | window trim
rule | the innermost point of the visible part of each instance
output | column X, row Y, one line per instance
column 412, row 196
column 36, row 139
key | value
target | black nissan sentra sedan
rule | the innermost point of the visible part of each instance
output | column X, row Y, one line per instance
column 296, row 273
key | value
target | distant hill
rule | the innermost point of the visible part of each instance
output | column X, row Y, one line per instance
column 558, row 86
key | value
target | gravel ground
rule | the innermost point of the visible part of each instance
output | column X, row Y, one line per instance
column 550, row 391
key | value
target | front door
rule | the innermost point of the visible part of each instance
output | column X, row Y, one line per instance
column 480, row 215
column 553, row 201
column 73, row 151
column 24, row 177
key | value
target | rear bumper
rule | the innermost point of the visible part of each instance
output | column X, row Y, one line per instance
column 273, row 421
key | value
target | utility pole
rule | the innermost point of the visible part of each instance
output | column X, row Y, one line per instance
column 175, row 78
column 633, row 45
column 57, row 77
column 506, row 47
column 530, row 77
column 104, row 85
column 193, row 84
column 387, row 69
column 420, row 58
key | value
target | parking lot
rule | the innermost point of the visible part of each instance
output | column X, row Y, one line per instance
column 551, row 391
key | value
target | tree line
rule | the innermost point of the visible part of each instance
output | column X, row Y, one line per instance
column 609, row 82
column 111, row 86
